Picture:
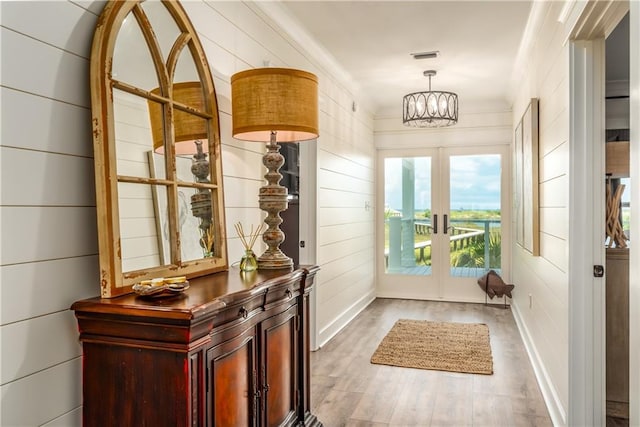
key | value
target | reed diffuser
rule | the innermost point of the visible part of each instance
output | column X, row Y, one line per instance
column 248, row 261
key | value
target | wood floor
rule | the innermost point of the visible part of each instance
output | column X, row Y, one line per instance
column 347, row 390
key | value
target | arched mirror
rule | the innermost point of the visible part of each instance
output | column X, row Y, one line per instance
column 157, row 147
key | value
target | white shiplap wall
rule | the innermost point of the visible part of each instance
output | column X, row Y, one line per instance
column 541, row 301
column 48, row 255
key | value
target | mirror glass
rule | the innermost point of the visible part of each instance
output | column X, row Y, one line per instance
column 132, row 60
column 165, row 207
column 139, row 224
column 133, row 135
column 163, row 24
column 186, row 71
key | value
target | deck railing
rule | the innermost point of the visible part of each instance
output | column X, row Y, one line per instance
column 461, row 237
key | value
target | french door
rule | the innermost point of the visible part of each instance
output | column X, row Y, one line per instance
column 443, row 215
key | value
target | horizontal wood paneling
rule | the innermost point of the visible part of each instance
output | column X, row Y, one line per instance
column 554, row 163
column 40, row 288
column 53, row 132
column 70, row 419
column 45, row 233
column 555, row 134
column 339, row 249
column 343, row 181
column 328, row 198
column 332, row 162
column 554, row 221
column 334, row 233
column 546, row 76
column 342, row 215
column 339, row 284
column 24, row 72
column 53, row 389
column 241, row 193
column 72, row 30
column 554, row 193
column 555, row 250
column 443, row 137
column 334, row 308
column 45, row 179
column 40, row 342
column 341, row 265
column 238, row 162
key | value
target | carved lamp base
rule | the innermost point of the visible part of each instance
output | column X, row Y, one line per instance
column 273, row 200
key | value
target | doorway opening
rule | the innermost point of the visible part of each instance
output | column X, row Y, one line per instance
column 443, row 221
column 618, row 212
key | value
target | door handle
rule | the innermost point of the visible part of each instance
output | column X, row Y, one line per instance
column 446, row 226
column 435, row 224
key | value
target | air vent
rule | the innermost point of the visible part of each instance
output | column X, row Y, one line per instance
column 426, row 55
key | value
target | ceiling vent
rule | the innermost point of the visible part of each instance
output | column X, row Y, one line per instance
column 426, row 55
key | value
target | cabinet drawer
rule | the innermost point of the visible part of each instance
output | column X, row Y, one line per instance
column 284, row 293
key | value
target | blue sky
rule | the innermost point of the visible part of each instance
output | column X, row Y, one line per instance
column 475, row 182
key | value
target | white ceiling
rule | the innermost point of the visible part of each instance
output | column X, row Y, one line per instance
column 372, row 41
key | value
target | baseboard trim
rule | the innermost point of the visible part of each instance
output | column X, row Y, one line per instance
column 343, row 319
column 549, row 393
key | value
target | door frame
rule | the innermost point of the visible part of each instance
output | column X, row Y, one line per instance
column 593, row 21
column 634, row 252
column 436, row 151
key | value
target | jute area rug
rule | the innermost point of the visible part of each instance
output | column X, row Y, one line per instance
column 442, row 346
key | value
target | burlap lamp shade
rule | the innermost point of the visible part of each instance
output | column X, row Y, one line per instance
column 187, row 127
column 281, row 100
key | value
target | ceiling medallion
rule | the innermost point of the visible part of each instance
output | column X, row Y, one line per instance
column 430, row 108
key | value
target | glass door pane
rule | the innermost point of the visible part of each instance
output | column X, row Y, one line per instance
column 407, row 215
column 474, row 222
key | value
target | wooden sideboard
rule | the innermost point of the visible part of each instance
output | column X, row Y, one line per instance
column 232, row 350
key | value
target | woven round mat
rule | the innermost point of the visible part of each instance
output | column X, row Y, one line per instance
column 442, row 346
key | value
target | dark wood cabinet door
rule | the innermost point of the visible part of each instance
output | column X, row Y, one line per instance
column 232, row 397
column 279, row 368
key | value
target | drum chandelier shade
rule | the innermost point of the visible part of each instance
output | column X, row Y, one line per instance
column 430, row 108
column 280, row 100
column 187, row 127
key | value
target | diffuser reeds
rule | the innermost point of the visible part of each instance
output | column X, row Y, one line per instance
column 248, row 240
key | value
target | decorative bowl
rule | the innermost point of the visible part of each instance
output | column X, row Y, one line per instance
column 165, row 290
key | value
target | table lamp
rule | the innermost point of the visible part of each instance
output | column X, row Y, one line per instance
column 274, row 105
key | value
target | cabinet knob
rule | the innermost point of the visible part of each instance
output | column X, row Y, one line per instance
column 243, row 312
column 288, row 293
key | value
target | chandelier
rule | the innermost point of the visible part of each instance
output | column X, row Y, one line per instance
column 431, row 108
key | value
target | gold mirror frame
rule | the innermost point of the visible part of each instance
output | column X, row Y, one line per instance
column 115, row 281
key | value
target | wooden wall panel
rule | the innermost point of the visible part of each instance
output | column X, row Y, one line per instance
column 554, row 221
column 554, row 163
column 53, row 132
column 72, row 30
column 544, row 279
column 56, row 389
column 336, row 268
column 331, row 289
column 554, row 193
column 340, row 249
column 51, row 225
column 31, row 290
column 45, row 179
column 43, row 341
column 333, row 233
column 45, row 233
column 24, row 72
